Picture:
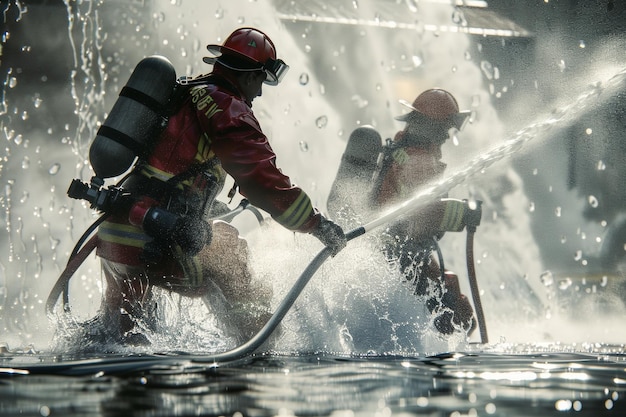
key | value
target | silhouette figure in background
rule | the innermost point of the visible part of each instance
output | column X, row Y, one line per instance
column 393, row 173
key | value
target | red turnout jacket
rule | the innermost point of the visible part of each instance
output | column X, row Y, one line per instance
column 215, row 123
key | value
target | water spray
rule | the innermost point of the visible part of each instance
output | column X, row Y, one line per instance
column 479, row 164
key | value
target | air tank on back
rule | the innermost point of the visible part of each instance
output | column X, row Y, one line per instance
column 137, row 118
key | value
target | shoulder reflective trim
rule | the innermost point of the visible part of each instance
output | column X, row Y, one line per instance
column 453, row 217
column 298, row 213
column 122, row 234
column 400, row 156
column 206, row 157
column 205, row 151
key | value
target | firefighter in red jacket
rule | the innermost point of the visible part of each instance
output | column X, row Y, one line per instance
column 163, row 239
column 412, row 160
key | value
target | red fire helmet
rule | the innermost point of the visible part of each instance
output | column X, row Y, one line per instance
column 249, row 49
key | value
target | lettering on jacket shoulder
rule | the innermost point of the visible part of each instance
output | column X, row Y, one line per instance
column 204, row 102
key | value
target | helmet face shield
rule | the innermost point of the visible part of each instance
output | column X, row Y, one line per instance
column 460, row 119
column 275, row 70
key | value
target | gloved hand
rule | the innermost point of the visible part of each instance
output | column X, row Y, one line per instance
column 457, row 214
column 331, row 235
column 191, row 234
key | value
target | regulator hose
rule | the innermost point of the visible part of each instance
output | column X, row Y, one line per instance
column 72, row 265
column 471, row 272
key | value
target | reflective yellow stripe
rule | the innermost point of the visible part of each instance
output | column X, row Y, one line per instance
column 400, row 156
column 298, row 213
column 192, row 268
column 204, row 149
column 150, row 171
column 122, row 234
column 453, row 216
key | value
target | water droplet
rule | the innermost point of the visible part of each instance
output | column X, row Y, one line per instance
column 455, row 138
column 8, row 188
column 307, row 48
column 557, row 211
column 547, row 279
column 241, row 20
column 219, row 13
column 561, row 65
column 321, row 122
column 601, row 165
column 26, row 162
column 412, row 5
column 605, row 280
column 37, row 102
column 531, row 207
column 12, row 82
column 578, row 255
column 359, row 101
column 159, row 17
column 565, row 283
column 467, row 56
column 25, row 196
column 588, row 131
column 563, row 239
column 458, row 18
column 593, row 201
column 54, row 169
column 487, row 69
column 416, row 60
column 563, row 405
column 54, row 243
column 581, row 44
column 304, row 78
column 304, row 147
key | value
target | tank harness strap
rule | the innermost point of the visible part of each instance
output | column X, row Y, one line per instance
column 142, row 98
column 382, row 166
column 121, row 137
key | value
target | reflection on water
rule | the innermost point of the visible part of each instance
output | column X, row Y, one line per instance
column 524, row 381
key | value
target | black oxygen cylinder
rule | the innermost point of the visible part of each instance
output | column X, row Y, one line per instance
column 354, row 176
column 138, row 117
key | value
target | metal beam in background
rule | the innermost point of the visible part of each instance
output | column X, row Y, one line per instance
column 474, row 18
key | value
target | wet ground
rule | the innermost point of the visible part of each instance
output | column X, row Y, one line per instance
column 501, row 381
